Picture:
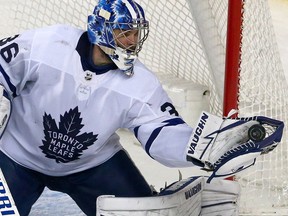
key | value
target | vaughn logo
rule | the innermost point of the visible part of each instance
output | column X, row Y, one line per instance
column 65, row 143
column 192, row 191
column 197, row 133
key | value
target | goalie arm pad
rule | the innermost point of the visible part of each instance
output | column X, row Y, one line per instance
column 5, row 109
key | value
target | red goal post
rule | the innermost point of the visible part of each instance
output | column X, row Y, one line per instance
column 233, row 55
column 255, row 46
column 187, row 42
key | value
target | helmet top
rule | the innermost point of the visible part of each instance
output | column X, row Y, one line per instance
column 109, row 15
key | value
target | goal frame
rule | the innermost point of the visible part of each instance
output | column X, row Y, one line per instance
column 233, row 56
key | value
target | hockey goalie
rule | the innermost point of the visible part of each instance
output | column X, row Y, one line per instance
column 65, row 92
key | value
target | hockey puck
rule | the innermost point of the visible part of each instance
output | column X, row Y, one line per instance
column 256, row 133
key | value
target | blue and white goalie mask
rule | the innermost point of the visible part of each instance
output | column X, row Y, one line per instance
column 119, row 28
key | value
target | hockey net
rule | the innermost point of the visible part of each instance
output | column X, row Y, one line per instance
column 187, row 41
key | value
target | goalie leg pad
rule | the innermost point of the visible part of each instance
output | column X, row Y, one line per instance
column 7, row 204
column 220, row 198
column 190, row 196
column 181, row 198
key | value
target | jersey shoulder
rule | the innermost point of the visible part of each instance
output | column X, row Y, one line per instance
column 141, row 85
column 59, row 33
column 48, row 45
column 54, row 45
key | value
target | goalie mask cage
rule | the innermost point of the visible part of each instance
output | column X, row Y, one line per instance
column 188, row 40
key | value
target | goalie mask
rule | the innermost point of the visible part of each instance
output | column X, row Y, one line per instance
column 116, row 19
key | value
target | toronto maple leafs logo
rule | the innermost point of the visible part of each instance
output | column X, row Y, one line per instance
column 64, row 143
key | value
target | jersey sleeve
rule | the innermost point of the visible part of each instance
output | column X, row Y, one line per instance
column 161, row 131
column 14, row 62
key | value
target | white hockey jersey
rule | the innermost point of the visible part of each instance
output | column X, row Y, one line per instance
column 64, row 116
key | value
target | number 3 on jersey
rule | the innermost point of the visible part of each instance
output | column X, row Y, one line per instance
column 170, row 108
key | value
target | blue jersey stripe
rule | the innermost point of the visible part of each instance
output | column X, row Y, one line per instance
column 156, row 132
column 7, row 79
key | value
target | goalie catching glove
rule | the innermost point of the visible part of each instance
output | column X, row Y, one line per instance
column 227, row 146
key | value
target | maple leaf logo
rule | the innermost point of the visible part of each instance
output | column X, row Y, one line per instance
column 65, row 144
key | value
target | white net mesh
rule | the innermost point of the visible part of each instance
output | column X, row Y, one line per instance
column 262, row 92
column 187, row 39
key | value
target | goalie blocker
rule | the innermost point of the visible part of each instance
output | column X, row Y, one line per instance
column 227, row 146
